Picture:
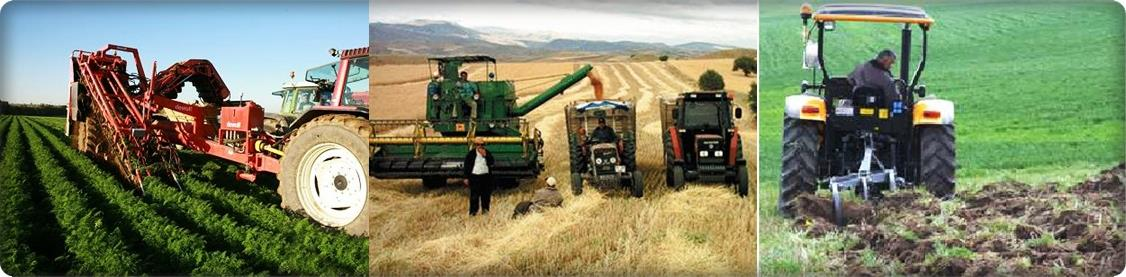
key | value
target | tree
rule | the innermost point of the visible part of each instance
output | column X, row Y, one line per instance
column 710, row 81
column 663, row 58
column 747, row 64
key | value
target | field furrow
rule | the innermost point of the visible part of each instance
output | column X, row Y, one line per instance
column 96, row 247
column 16, row 227
column 177, row 249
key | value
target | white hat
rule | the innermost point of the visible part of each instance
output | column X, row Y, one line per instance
column 551, row 181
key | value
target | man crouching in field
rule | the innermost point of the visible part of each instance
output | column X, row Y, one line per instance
column 546, row 197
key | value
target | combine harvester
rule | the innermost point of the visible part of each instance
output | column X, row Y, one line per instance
column 130, row 120
column 434, row 149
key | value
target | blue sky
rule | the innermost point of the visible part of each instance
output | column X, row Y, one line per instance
column 254, row 45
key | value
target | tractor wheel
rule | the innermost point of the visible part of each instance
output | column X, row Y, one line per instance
column 629, row 154
column 677, row 177
column 576, row 184
column 936, row 159
column 433, row 182
column 324, row 172
column 669, row 180
column 742, row 181
column 576, row 152
column 799, row 162
column 637, row 184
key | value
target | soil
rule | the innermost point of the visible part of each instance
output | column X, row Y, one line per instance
column 1006, row 228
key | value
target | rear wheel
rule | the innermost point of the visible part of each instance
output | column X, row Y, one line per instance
column 936, row 159
column 576, row 184
column 637, row 185
column 324, row 172
column 799, row 162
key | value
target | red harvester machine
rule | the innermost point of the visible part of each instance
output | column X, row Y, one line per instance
column 131, row 121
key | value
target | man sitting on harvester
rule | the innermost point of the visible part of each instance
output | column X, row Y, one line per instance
column 468, row 92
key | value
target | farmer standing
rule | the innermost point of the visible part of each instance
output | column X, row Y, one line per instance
column 479, row 177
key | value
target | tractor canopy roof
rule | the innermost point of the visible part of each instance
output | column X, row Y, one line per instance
column 602, row 105
column 465, row 59
column 870, row 13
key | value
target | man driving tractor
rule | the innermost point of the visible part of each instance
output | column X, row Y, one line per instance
column 876, row 74
column 603, row 133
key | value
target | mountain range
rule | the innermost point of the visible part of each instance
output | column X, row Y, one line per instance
column 429, row 37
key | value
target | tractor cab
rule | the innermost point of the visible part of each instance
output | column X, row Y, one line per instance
column 297, row 97
column 450, row 100
column 353, row 91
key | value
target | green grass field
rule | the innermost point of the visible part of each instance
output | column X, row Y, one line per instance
column 1038, row 89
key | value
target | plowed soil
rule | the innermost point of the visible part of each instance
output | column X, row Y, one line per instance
column 1005, row 228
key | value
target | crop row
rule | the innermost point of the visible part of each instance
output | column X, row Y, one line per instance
column 95, row 246
column 273, row 240
column 15, row 253
column 178, row 249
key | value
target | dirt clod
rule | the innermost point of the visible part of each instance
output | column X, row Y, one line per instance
column 1006, row 228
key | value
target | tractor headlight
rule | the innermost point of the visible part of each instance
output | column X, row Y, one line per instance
column 718, row 154
column 598, row 161
column 613, row 160
column 704, row 153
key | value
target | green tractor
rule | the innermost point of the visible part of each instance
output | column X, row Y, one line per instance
column 434, row 149
column 315, row 93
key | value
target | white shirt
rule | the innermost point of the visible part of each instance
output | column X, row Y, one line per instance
column 480, row 165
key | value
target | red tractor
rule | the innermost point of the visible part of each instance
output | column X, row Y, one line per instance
column 132, row 121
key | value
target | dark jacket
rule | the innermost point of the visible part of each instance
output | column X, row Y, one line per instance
column 471, row 157
column 604, row 134
column 871, row 74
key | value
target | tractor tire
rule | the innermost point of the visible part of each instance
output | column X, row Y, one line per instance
column 629, row 153
column 576, row 154
column 742, row 181
column 668, row 160
column 637, row 184
column 800, row 143
column 937, row 163
column 742, row 185
column 677, row 177
column 433, row 182
column 324, row 172
column 576, row 184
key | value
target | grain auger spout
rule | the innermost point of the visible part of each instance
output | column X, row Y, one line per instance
column 558, row 88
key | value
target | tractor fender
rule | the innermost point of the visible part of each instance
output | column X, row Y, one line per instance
column 923, row 113
column 805, row 107
column 325, row 110
column 733, row 148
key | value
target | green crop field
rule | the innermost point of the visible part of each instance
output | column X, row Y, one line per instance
column 61, row 213
column 1038, row 89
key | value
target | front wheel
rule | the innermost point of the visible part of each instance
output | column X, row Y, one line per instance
column 936, row 159
column 324, row 173
column 636, row 184
column 742, row 181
